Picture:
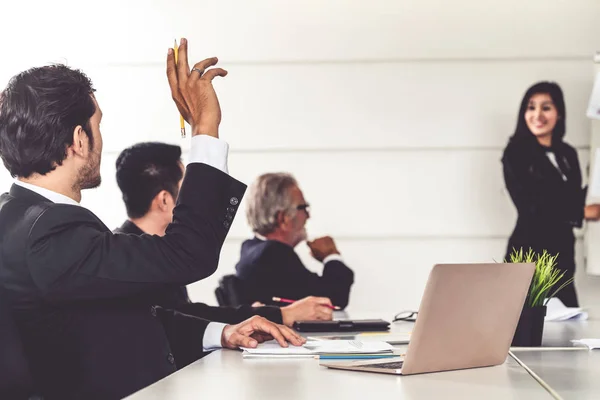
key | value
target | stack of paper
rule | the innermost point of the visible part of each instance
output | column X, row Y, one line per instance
column 557, row 311
column 330, row 348
column 590, row 343
column 391, row 338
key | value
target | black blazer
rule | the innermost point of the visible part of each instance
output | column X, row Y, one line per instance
column 176, row 297
column 548, row 206
column 15, row 378
column 81, row 295
column 273, row 269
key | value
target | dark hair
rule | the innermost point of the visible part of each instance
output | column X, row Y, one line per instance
column 39, row 110
column 144, row 170
column 522, row 130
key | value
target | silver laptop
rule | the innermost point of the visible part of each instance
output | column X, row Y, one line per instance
column 467, row 319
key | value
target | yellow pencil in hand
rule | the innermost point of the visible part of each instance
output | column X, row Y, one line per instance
column 181, row 120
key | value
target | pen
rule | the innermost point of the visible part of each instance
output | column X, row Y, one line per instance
column 282, row 300
column 181, row 120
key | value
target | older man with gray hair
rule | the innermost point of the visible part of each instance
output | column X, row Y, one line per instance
column 269, row 267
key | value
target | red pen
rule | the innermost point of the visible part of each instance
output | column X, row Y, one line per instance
column 281, row 300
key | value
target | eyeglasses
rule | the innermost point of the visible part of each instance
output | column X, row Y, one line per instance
column 303, row 207
column 410, row 316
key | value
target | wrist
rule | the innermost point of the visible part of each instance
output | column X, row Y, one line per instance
column 224, row 336
column 209, row 130
column 287, row 316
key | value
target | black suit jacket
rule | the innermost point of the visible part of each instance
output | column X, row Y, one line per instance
column 548, row 206
column 270, row 269
column 81, row 295
column 15, row 378
column 176, row 297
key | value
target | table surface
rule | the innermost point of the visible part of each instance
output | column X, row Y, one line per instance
column 225, row 374
column 560, row 334
column 568, row 371
column 573, row 374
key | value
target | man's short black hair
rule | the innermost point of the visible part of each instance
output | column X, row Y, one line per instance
column 144, row 170
column 39, row 111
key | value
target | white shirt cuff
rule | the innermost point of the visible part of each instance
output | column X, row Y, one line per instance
column 212, row 336
column 211, row 151
column 333, row 257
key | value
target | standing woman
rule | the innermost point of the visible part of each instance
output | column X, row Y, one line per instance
column 542, row 175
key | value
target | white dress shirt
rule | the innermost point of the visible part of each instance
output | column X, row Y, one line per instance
column 205, row 149
column 552, row 157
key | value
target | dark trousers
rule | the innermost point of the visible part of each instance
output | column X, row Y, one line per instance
column 568, row 294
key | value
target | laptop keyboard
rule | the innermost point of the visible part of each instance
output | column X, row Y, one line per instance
column 390, row 365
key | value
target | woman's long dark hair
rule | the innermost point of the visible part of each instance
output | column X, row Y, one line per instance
column 522, row 131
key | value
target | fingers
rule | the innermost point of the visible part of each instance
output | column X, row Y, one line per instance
column 322, row 300
column 238, row 340
column 171, row 70
column 264, row 326
column 279, row 332
column 292, row 336
column 183, row 68
column 202, row 66
column 172, row 75
column 261, row 337
column 174, row 84
column 211, row 73
column 324, row 313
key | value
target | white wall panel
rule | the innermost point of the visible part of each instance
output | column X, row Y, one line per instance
column 349, row 106
column 272, row 30
column 392, row 114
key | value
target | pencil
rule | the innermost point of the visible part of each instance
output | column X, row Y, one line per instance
column 281, row 300
column 181, row 120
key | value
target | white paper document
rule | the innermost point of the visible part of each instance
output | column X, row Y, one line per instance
column 391, row 338
column 557, row 311
column 590, row 343
column 312, row 348
column 593, row 110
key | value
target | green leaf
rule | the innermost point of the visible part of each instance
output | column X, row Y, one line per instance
column 545, row 276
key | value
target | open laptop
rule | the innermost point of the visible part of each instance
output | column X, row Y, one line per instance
column 467, row 319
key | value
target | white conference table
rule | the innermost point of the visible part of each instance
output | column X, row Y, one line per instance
column 224, row 374
column 570, row 372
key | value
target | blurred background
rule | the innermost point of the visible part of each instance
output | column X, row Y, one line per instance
column 392, row 114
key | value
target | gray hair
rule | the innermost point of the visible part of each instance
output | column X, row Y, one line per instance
column 267, row 196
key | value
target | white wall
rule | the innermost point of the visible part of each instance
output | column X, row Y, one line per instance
column 392, row 114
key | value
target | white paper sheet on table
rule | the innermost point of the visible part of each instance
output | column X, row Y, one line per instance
column 557, row 311
column 272, row 348
column 590, row 343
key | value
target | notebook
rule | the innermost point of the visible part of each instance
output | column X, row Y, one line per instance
column 357, row 325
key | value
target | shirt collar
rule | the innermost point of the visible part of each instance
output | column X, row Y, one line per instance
column 49, row 194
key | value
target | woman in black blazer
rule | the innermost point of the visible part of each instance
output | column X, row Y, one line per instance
column 543, row 178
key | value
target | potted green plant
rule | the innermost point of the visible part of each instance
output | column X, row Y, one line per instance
column 531, row 323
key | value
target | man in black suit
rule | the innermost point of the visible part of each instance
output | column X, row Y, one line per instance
column 149, row 175
column 269, row 267
column 81, row 295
